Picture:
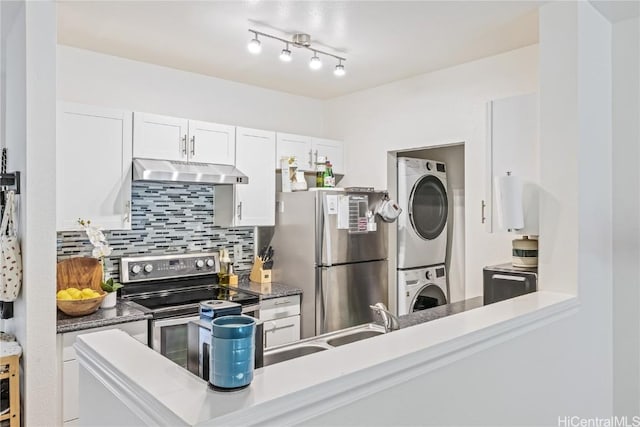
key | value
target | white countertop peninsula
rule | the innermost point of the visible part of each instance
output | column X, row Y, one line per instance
column 123, row 382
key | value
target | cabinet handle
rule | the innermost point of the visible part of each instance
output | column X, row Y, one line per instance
column 240, row 210
column 311, row 165
column 193, row 145
column 282, row 302
column 183, row 144
column 127, row 211
column 482, row 217
column 316, row 153
column 291, row 325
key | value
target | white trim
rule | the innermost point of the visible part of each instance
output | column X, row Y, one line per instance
column 300, row 407
column 147, row 407
column 299, row 390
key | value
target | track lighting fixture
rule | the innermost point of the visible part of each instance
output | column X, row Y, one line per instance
column 299, row 40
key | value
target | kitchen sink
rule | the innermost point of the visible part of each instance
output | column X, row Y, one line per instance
column 287, row 354
column 356, row 336
column 321, row 343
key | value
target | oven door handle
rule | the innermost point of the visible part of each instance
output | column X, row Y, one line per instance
column 175, row 321
column 250, row 308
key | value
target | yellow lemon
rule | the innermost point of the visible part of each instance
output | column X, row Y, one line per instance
column 87, row 293
column 96, row 294
column 73, row 291
column 63, row 295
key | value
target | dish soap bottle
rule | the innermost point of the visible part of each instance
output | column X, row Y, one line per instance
column 329, row 180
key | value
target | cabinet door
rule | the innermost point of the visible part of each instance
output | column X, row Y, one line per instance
column 295, row 145
column 211, row 143
column 330, row 150
column 93, row 166
column 256, row 201
column 281, row 331
column 159, row 137
column 70, row 396
column 512, row 146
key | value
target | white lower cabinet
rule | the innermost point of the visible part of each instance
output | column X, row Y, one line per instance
column 69, row 366
column 281, row 320
column 281, row 331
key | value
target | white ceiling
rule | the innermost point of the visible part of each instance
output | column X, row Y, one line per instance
column 383, row 41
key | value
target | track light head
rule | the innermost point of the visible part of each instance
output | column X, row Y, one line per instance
column 339, row 70
column 254, row 45
column 285, row 55
column 315, row 63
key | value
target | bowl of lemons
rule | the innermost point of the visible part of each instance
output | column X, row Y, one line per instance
column 79, row 302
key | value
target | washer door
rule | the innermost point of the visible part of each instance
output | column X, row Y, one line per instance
column 428, row 207
column 429, row 296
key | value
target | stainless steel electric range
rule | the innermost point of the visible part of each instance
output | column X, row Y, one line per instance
column 171, row 287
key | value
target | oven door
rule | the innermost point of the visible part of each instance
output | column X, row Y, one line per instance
column 169, row 337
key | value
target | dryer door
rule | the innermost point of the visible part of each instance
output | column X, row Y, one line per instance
column 429, row 296
column 428, row 207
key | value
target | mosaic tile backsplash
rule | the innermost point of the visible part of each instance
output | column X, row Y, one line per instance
column 165, row 218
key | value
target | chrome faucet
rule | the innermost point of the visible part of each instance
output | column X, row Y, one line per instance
column 389, row 320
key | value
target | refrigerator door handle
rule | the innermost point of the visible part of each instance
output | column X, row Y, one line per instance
column 327, row 231
column 321, row 302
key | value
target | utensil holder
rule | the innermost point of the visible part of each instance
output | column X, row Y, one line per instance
column 258, row 274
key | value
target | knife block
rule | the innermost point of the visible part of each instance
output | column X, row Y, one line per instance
column 258, row 274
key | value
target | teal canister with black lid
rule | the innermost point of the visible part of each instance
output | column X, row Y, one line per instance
column 232, row 352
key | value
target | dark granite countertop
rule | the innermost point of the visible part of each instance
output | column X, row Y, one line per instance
column 123, row 312
column 434, row 313
column 264, row 290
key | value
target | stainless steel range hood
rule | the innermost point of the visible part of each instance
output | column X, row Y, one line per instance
column 174, row 171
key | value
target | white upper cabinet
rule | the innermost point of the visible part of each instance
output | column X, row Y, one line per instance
column 211, row 143
column 307, row 149
column 93, row 166
column 160, row 137
column 295, row 145
column 331, row 150
column 171, row 138
column 512, row 145
column 256, row 201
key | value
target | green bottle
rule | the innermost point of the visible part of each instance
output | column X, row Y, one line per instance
column 319, row 175
column 329, row 180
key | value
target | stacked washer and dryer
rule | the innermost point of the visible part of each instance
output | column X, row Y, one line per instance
column 422, row 234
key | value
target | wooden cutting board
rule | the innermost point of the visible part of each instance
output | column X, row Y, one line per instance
column 79, row 273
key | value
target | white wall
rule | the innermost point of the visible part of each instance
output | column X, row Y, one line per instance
column 28, row 109
column 94, row 78
column 447, row 106
column 565, row 368
column 626, row 216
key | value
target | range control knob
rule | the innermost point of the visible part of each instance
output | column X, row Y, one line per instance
column 199, row 263
column 148, row 268
column 429, row 166
column 135, row 269
column 428, row 275
column 210, row 263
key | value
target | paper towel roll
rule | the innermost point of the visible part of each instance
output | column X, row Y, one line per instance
column 509, row 202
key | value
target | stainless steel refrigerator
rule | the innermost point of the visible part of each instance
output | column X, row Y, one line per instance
column 333, row 246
